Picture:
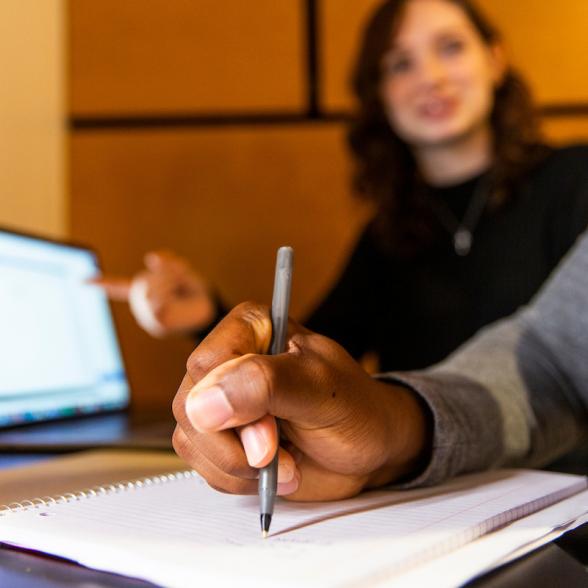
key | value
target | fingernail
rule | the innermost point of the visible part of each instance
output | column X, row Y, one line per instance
column 208, row 409
column 255, row 445
column 291, row 486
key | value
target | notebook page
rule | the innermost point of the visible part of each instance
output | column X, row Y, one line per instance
column 174, row 533
column 496, row 549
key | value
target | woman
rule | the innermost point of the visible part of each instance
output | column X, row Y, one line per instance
column 473, row 211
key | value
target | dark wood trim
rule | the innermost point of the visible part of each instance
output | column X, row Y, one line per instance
column 564, row 110
column 147, row 121
column 187, row 120
column 312, row 43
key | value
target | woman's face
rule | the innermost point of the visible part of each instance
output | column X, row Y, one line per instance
column 438, row 78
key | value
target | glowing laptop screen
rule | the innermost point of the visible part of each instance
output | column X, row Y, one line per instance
column 59, row 354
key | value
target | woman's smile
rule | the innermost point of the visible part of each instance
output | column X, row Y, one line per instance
column 437, row 108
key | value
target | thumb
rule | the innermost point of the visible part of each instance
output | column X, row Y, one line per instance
column 244, row 389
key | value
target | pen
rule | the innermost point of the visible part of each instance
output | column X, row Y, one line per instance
column 268, row 475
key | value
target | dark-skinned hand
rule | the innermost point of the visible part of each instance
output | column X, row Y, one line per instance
column 342, row 431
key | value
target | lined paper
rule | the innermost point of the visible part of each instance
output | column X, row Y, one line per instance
column 179, row 532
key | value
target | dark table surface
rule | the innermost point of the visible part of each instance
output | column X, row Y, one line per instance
column 562, row 563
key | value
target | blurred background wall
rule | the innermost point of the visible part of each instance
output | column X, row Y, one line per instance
column 216, row 128
column 32, row 115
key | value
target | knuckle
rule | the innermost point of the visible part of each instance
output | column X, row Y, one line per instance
column 298, row 342
column 177, row 440
column 178, row 406
column 234, row 465
column 250, row 310
column 179, row 401
column 201, row 360
column 256, row 317
column 317, row 341
column 193, row 360
column 217, row 486
column 183, row 447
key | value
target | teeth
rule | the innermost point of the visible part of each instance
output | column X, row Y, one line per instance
column 435, row 108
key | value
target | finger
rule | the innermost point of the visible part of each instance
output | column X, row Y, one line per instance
column 288, row 476
column 116, row 288
column 224, row 449
column 165, row 261
column 236, row 459
column 176, row 270
column 216, row 478
column 159, row 290
column 260, row 441
column 246, row 329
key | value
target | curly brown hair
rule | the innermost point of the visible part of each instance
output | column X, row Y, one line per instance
column 386, row 172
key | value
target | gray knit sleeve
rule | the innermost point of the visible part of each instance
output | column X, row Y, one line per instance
column 517, row 393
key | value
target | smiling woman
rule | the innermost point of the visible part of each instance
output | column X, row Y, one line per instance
column 436, row 89
column 435, row 70
column 438, row 81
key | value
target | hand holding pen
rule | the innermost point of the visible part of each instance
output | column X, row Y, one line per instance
column 343, row 430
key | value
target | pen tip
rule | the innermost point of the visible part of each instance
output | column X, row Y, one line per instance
column 264, row 534
column 266, row 521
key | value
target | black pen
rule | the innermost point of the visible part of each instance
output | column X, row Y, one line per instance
column 268, row 475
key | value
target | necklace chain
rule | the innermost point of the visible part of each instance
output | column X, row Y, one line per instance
column 462, row 230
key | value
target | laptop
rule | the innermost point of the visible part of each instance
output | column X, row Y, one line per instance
column 63, row 383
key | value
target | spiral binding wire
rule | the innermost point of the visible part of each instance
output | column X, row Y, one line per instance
column 94, row 491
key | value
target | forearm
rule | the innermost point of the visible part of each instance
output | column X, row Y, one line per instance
column 465, row 425
column 487, row 414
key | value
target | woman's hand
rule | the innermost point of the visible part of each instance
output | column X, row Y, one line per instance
column 166, row 298
column 342, row 431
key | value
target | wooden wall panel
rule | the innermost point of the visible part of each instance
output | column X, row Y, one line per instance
column 226, row 198
column 566, row 129
column 160, row 56
column 32, row 108
column 547, row 43
column 341, row 24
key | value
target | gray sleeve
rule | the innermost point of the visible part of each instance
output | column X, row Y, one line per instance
column 517, row 393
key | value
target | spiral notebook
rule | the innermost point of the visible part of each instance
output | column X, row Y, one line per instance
column 175, row 531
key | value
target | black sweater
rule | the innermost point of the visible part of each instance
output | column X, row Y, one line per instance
column 414, row 313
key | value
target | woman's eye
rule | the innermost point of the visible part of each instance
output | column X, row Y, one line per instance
column 397, row 66
column 452, row 47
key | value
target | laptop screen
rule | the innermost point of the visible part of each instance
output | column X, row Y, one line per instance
column 59, row 354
